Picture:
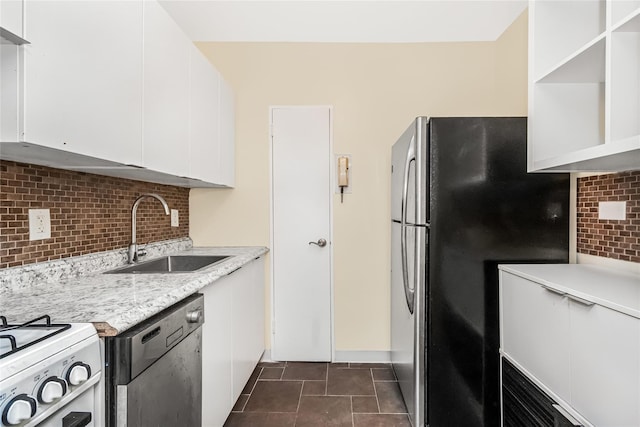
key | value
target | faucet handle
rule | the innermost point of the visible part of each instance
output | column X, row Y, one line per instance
column 142, row 252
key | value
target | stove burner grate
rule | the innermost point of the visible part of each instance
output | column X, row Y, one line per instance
column 31, row 324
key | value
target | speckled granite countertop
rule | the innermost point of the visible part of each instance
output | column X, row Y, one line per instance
column 116, row 302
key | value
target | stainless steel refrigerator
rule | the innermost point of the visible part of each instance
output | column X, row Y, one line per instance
column 462, row 203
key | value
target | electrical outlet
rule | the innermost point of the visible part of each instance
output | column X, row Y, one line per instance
column 39, row 224
column 174, row 218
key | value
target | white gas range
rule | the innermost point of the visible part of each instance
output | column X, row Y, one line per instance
column 49, row 374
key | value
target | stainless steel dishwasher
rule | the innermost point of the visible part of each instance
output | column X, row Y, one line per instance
column 154, row 370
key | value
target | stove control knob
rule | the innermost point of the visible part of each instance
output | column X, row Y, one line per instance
column 78, row 373
column 52, row 389
column 19, row 409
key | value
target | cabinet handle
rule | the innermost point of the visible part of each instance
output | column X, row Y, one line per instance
column 580, row 300
column 555, row 291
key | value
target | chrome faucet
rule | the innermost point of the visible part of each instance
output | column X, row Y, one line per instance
column 133, row 253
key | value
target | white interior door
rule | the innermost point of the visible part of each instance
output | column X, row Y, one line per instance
column 301, row 192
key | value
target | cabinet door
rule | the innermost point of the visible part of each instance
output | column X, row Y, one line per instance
column 9, row 101
column 83, row 77
column 535, row 331
column 248, row 322
column 227, row 134
column 605, row 365
column 11, row 16
column 217, row 366
column 204, row 119
column 166, row 93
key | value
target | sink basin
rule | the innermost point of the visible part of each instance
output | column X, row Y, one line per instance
column 171, row 264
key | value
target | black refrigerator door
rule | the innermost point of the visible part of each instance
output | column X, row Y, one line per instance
column 485, row 210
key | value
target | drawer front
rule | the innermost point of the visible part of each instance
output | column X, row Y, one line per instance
column 525, row 405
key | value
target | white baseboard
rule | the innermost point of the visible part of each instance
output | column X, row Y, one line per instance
column 363, row 356
column 349, row 356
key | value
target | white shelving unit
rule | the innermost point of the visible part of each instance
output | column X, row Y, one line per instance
column 584, row 85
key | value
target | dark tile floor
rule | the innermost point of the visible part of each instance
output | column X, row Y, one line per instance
column 301, row 394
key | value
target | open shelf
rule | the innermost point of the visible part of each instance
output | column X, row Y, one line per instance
column 565, row 118
column 587, row 65
column 625, row 82
column 622, row 9
column 558, row 33
column 621, row 156
column 584, row 85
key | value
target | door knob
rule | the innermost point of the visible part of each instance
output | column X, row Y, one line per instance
column 321, row 242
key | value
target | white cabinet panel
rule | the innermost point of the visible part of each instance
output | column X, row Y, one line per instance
column 535, row 331
column 166, row 93
column 605, row 365
column 11, row 16
column 204, row 119
column 585, row 353
column 83, row 78
column 217, row 362
column 113, row 83
column 9, row 101
column 232, row 339
column 248, row 322
column 227, row 134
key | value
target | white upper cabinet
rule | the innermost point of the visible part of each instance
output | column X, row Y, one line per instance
column 204, row 120
column 83, row 78
column 166, row 93
column 227, row 134
column 11, row 16
column 105, row 85
column 212, row 124
column 584, row 85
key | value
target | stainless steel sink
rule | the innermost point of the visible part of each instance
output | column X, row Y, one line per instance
column 171, row 264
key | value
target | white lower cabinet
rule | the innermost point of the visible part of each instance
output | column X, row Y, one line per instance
column 248, row 323
column 584, row 353
column 216, row 353
column 605, row 362
column 232, row 338
column 535, row 331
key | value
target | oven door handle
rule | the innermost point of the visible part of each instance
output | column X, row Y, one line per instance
column 76, row 419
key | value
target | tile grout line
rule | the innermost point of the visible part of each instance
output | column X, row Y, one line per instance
column 375, row 391
column 326, row 382
column 353, row 422
column 299, row 397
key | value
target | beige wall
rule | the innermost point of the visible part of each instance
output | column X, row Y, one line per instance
column 375, row 90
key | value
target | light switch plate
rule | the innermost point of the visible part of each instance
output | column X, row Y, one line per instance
column 39, row 224
column 175, row 222
column 612, row 210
